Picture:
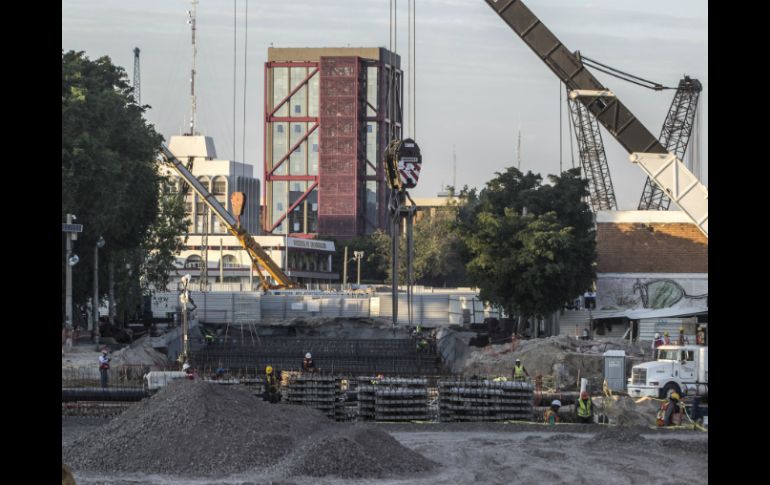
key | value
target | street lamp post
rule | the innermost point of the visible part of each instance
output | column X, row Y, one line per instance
column 183, row 299
column 72, row 260
column 95, row 304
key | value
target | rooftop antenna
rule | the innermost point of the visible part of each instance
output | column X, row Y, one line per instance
column 518, row 152
column 191, row 21
column 454, row 168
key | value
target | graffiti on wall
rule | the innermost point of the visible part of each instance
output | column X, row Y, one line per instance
column 638, row 291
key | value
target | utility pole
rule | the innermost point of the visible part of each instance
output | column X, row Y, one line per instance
column 358, row 255
column 345, row 270
column 95, row 305
column 137, row 81
column 68, row 269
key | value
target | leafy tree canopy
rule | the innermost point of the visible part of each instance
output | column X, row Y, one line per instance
column 531, row 246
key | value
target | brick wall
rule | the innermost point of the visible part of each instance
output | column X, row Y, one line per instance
column 651, row 248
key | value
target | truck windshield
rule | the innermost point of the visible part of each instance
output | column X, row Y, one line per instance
column 668, row 355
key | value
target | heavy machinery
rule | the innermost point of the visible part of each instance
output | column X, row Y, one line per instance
column 683, row 369
column 675, row 136
column 260, row 260
column 664, row 169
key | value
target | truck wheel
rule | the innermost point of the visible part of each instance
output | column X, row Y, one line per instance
column 670, row 388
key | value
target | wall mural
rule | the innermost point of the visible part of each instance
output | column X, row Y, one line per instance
column 648, row 291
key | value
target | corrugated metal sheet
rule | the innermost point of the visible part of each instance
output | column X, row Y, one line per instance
column 648, row 328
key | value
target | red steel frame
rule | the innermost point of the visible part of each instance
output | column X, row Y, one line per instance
column 270, row 117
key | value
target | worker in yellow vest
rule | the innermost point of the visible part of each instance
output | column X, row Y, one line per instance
column 519, row 372
column 584, row 408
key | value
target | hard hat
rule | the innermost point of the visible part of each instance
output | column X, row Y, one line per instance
column 308, row 356
column 269, row 369
column 675, row 396
column 185, row 366
column 556, row 403
column 584, row 395
column 657, row 335
column 665, row 333
column 681, row 329
column 518, row 361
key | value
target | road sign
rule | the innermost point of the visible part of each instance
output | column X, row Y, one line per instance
column 71, row 227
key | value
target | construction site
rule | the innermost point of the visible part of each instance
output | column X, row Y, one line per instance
column 278, row 374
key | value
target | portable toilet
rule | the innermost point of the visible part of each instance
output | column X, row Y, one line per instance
column 615, row 369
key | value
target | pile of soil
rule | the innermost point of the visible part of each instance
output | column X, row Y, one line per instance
column 628, row 411
column 563, row 357
column 205, row 429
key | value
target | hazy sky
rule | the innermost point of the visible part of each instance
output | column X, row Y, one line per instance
column 477, row 82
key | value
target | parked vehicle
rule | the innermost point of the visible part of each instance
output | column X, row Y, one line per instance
column 679, row 368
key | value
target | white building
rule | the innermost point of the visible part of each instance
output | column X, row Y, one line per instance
column 228, row 265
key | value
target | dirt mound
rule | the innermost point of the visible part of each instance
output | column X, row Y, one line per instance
column 358, row 452
column 628, row 411
column 204, row 429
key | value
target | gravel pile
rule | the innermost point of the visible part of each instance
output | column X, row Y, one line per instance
column 618, row 434
column 358, row 451
column 194, row 428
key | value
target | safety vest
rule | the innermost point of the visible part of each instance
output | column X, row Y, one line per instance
column 270, row 383
column 584, row 408
column 518, row 371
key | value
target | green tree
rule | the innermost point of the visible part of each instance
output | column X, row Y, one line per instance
column 110, row 180
column 532, row 246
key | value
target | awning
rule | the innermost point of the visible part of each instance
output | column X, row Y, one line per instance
column 645, row 313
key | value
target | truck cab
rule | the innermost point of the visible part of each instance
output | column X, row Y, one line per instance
column 678, row 368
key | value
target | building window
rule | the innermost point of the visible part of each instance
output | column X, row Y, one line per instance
column 279, row 128
column 297, row 109
column 229, row 261
column 315, row 147
column 369, row 128
column 193, row 262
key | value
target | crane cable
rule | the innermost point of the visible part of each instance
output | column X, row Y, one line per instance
column 622, row 75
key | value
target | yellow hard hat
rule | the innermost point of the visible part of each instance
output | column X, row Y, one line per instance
column 269, row 369
column 665, row 333
column 675, row 396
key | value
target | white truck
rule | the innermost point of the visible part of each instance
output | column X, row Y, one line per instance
column 683, row 369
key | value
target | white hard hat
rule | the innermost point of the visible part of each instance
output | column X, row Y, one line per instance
column 308, row 356
column 556, row 402
column 185, row 366
column 657, row 335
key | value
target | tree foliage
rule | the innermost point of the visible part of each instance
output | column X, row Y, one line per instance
column 532, row 246
column 110, row 180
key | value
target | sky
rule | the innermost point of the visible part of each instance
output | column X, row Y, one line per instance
column 477, row 84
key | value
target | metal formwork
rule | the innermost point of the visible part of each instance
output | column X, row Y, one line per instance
column 251, row 354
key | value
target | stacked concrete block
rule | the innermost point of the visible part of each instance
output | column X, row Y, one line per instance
column 484, row 400
column 319, row 392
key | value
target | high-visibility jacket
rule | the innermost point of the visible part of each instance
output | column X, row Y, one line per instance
column 518, row 371
column 584, row 408
column 676, row 415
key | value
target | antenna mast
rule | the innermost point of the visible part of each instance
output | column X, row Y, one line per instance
column 518, row 152
column 191, row 21
column 454, row 168
column 137, row 83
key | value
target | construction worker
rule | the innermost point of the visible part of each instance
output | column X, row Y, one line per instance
column 188, row 369
column 671, row 411
column 519, row 371
column 104, row 366
column 657, row 342
column 307, row 363
column 666, row 339
column 271, row 386
column 552, row 414
column 700, row 336
column 682, row 340
column 585, row 408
